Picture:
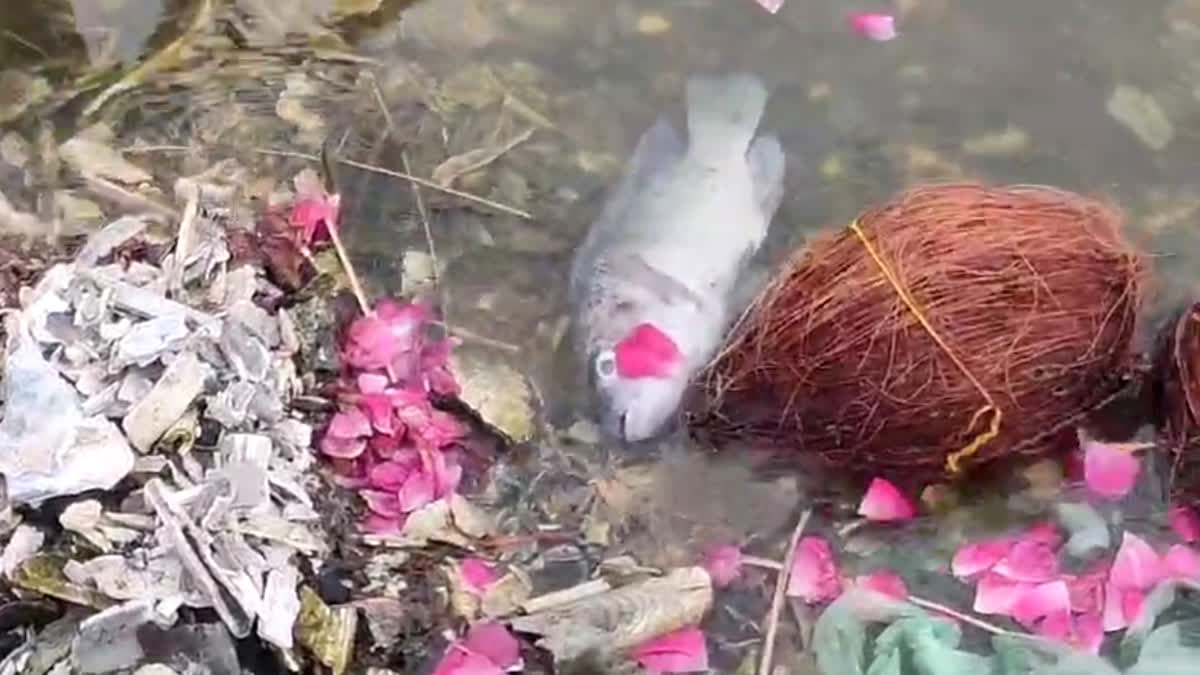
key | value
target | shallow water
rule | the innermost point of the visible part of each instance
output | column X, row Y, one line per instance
column 1007, row 92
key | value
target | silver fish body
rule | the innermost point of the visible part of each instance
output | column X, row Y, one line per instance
column 671, row 244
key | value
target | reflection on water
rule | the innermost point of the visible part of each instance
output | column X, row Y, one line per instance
column 1101, row 96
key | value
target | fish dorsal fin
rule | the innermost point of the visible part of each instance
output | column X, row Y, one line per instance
column 658, row 148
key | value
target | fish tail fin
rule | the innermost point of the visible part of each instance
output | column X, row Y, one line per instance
column 724, row 111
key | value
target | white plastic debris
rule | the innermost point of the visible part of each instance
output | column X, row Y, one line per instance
column 24, row 543
column 281, row 606
column 48, row 448
column 148, row 340
column 167, row 401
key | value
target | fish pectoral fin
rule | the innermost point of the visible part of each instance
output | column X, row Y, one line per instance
column 723, row 111
column 663, row 286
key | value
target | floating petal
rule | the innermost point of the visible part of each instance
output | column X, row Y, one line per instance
column 995, row 594
column 1029, row 560
column 1185, row 522
column 884, row 581
column 1050, row 601
column 350, row 423
column 884, row 502
column 972, row 559
column 723, row 563
column 1108, row 470
column 494, row 641
column 1136, row 565
column 874, row 25
column 1182, row 562
column 684, row 651
column 814, row 576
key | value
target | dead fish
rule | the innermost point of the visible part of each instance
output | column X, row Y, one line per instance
column 652, row 284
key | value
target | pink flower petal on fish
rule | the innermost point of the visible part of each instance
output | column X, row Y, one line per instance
column 1050, row 600
column 875, row 26
column 683, row 651
column 494, row 641
column 981, row 556
column 1136, row 566
column 1182, row 562
column 1185, row 522
column 647, row 352
column 884, row 502
column 995, row 594
column 884, row 581
column 1029, row 560
column 1109, row 471
column 814, row 575
column 478, row 574
column 723, row 564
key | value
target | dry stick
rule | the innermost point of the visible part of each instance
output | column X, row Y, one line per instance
column 764, row 666
column 406, row 176
column 437, row 280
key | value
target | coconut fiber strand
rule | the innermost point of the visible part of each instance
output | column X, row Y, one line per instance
column 1177, row 373
column 952, row 326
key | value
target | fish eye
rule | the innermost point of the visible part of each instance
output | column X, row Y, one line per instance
column 606, row 364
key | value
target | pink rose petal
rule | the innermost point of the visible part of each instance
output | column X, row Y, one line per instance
column 684, row 651
column 1109, row 471
column 458, row 660
column 723, row 563
column 814, row 576
column 494, row 641
column 1182, row 562
column 884, row 502
column 995, row 594
column 371, row 383
column 874, row 25
column 377, row 524
column 1089, row 632
column 972, row 559
column 417, row 491
column 378, row 411
column 1029, row 560
column 1136, row 565
column 772, row 6
column 886, row 582
column 342, row 448
column 1050, row 600
column 1185, row 522
column 350, row 423
column 477, row 574
column 1113, row 617
column 1087, row 590
column 383, row 503
column 388, row 475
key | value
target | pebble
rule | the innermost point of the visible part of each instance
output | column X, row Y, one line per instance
column 1008, row 142
column 653, row 24
column 1139, row 112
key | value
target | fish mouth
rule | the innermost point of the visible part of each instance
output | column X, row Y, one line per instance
column 613, row 424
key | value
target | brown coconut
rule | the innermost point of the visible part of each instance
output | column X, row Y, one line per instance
column 1177, row 374
column 952, row 326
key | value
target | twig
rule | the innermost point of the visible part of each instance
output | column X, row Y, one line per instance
column 965, row 618
column 465, row 334
column 764, row 666
column 424, row 224
column 765, row 563
column 355, row 286
column 406, row 176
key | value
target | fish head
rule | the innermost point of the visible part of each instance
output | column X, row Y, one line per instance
column 638, row 380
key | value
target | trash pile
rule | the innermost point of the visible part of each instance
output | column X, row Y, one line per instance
column 147, row 404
